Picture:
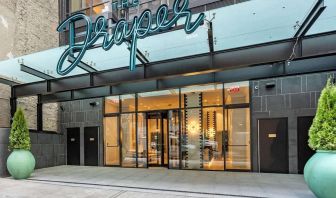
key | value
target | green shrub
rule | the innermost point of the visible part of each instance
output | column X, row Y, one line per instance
column 322, row 133
column 19, row 135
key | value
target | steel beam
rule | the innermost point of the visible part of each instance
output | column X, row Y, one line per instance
column 8, row 82
column 313, row 15
column 35, row 72
column 82, row 65
column 304, row 66
column 202, row 64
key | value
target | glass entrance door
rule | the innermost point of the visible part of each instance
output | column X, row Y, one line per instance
column 157, row 133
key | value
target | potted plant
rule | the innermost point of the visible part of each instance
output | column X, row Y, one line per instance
column 320, row 170
column 21, row 162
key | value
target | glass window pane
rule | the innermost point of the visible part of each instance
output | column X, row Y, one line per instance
column 79, row 4
column 128, row 139
column 100, row 9
column 155, row 139
column 237, row 93
column 211, row 94
column 142, row 140
column 111, row 141
column 213, row 155
column 128, row 103
column 51, row 117
column 192, row 139
column 238, row 139
column 168, row 99
column 29, row 107
column 112, row 104
column 95, row 2
column 174, row 141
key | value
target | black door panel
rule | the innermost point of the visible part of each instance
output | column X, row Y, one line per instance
column 273, row 145
column 91, row 146
column 73, row 146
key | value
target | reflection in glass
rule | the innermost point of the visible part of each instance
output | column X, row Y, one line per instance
column 167, row 99
column 79, row 4
column 212, row 95
column 174, row 152
column 238, row 139
column 112, row 104
column 128, row 103
column 213, row 156
column 128, row 139
column 237, row 93
column 111, row 141
column 142, row 140
column 192, row 135
column 155, row 139
column 101, row 9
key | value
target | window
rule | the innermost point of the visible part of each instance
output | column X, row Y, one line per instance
column 112, row 104
column 77, row 5
column 128, row 103
column 111, row 141
column 210, row 95
column 128, row 138
column 237, row 93
column 167, row 99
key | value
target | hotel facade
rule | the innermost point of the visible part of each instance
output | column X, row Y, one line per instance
column 237, row 94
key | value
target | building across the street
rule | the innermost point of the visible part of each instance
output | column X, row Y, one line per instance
column 230, row 85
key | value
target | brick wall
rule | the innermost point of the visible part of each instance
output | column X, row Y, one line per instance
column 292, row 97
column 27, row 26
column 5, row 94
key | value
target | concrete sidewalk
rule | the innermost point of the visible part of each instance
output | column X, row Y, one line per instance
column 166, row 182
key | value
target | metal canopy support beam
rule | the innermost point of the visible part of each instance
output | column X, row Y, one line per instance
column 303, row 66
column 8, row 82
column 82, row 65
column 210, row 37
column 261, row 54
column 35, row 72
column 139, row 55
column 313, row 15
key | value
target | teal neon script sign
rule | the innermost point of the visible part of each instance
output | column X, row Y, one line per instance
column 139, row 28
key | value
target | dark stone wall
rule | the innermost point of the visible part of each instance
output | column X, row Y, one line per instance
column 80, row 113
column 4, row 133
column 292, row 97
column 48, row 149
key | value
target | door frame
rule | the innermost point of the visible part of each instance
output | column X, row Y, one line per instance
column 159, row 113
column 287, row 142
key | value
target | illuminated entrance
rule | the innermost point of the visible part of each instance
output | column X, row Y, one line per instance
column 204, row 127
column 157, row 138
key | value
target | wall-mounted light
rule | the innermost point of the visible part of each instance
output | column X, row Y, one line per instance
column 93, row 104
column 270, row 85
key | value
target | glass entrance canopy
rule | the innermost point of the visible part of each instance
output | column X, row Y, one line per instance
column 244, row 24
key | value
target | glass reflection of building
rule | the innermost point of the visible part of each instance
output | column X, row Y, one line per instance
column 199, row 127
